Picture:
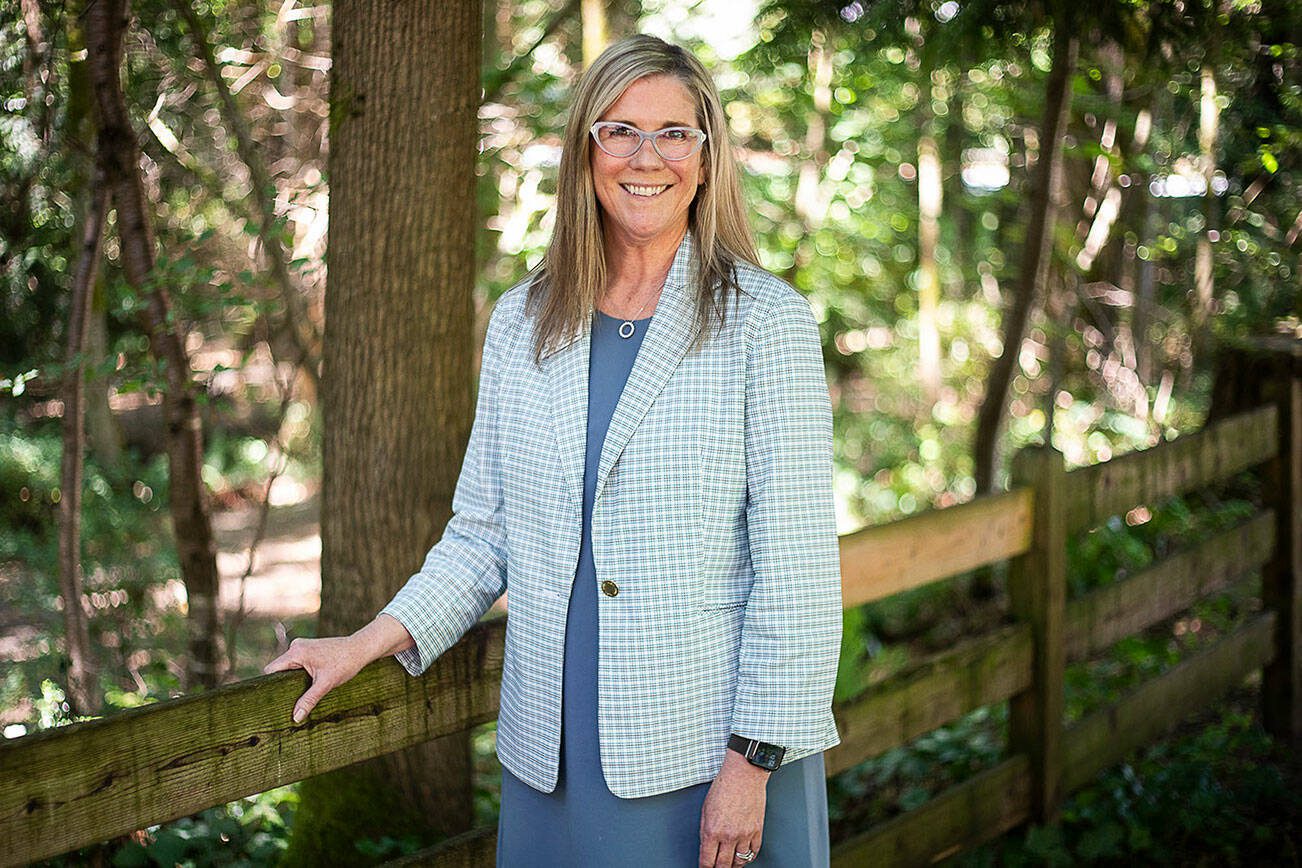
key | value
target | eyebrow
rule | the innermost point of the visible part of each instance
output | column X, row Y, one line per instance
column 666, row 125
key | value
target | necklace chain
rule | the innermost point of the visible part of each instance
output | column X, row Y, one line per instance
column 626, row 328
column 628, row 323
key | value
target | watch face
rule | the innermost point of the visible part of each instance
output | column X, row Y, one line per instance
column 767, row 755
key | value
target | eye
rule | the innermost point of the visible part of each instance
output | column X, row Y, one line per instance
column 677, row 134
column 621, row 132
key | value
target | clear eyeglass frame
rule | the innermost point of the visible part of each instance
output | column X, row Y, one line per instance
column 697, row 136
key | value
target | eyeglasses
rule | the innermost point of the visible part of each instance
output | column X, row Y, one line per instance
column 671, row 143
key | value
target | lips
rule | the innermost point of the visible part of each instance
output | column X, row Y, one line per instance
column 645, row 190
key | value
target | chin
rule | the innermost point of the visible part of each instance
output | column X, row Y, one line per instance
column 643, row 233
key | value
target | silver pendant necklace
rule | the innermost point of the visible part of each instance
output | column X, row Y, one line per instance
column 628, row 323
column 626, row 327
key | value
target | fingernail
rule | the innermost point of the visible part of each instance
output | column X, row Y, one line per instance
column 299, row 715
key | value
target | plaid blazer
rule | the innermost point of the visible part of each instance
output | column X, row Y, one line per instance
column 713, row 515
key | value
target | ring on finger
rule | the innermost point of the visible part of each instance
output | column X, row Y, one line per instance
column 748, row 856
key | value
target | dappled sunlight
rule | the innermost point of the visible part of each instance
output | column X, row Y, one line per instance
column 985, row 280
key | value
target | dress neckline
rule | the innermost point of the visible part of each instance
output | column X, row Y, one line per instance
column 620, row 318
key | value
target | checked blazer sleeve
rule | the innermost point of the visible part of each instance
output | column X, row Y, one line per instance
column 465, row 571
column 791, row 636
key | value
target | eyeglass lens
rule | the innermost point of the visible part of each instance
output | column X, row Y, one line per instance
column 623, row 141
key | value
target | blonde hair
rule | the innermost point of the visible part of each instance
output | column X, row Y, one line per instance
column 572, row 274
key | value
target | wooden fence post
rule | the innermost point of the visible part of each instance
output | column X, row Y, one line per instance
column 1267, row 369
column 1281, row 586
column 1037, row 590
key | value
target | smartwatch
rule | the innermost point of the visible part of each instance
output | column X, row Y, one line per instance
column 758, row 753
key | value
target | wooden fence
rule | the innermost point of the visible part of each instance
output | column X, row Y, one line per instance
column 87, row 782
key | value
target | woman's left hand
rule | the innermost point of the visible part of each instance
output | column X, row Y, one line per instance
column 732, row 818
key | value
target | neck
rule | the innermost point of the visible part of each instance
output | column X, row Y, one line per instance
column 633, row 269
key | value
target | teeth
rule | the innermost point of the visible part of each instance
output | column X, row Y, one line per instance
column 645, row 191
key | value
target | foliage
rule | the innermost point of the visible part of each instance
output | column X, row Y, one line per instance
column 126, row 555
column 250, row 831
column 1123, row 545
column 131, row 580
column 1214, row 795
column 828, row 103
column 908, row 776
column 905, row 777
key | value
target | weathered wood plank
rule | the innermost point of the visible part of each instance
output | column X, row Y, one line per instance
column 983, row 807
column 975, row 673
column 1217, row 452
column 1037, row 595
column 880, row 561
column 1107, row 735
column 1281, row 587
column 68, row 787
column 1103, row 616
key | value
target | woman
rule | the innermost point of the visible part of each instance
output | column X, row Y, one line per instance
column 649, row 472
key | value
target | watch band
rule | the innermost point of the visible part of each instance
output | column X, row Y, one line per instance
column 758, row 753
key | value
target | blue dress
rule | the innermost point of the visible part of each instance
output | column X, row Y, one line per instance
column 581, row 823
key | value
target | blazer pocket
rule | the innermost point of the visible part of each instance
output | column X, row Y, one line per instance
column 716, row 537
column 708, row 605
column 723, row 593
column 718, row 591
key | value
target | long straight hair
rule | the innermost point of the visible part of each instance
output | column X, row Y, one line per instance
column 572, row 274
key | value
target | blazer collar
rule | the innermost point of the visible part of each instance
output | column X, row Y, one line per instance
column 663, row 346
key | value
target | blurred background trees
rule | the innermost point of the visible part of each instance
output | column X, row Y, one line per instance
column 1016, row 221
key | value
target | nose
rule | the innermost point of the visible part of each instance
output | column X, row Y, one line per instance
column 646, row 155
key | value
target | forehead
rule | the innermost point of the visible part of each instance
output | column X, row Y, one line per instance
column 652, row 102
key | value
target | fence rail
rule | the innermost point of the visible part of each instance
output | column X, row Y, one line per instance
column 75, row 785
column 948, row 685
column 888, row 559
column 1098, row 619
column 71, row 786
column 1107, row 735
column 1218, row 451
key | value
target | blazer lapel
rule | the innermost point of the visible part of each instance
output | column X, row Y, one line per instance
column 663, row 347
column 666, row 340
column 567, row 384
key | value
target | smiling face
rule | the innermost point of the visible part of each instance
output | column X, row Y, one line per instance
column 645, row 198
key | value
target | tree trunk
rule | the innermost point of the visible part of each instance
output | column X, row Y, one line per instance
column 1123, row 265
column 929, row 207
column 103, row 434
column 810, row 201
column 106, row 22
column 1146, row 287
column 83, row 680
column 960, row 218
column 594, row 29
column 1035, row 256
column 396, row 401
column 1209, row 117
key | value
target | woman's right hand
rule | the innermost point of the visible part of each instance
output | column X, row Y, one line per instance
column 330, row 661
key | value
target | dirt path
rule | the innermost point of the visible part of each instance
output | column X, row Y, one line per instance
column 286, row 579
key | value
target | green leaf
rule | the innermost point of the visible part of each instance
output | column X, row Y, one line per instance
column 131, row 855
column 169, row 848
